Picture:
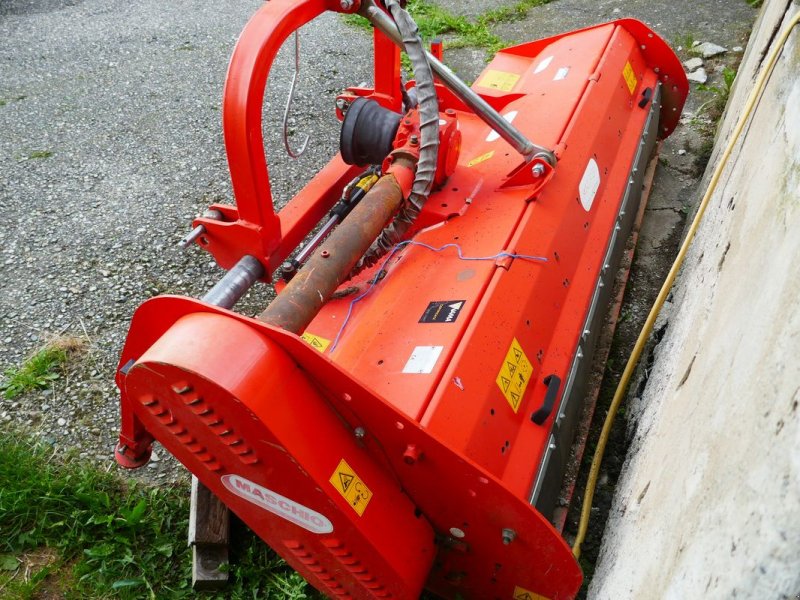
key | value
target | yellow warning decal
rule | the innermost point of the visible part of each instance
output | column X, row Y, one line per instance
column 514, row 375
column 320, row 343
column 630, row 77
column 365, row 183
column 352, row 489
column 520, row 593
column 499, row 80
column 479, row 159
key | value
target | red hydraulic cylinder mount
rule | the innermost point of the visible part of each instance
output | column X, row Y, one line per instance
column 407, row 428
column 253, row 227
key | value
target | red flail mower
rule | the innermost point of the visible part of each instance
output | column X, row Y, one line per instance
column 400, row 417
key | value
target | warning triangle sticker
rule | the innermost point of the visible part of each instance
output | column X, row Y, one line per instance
column 517, row 354
column 511, row 367
column 316, row 343
column 523, row 596
column 515, row 399
column 345, row 479
column 506, row 383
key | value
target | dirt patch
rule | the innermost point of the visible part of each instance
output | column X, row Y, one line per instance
column 39, row 576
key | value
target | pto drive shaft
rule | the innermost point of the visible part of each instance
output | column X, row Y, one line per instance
column 303, row 297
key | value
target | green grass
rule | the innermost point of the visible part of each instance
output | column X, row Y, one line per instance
column 719, row 94
column 40, row 154
column 434, row 21
column 685, row 41
column 4, row 101
column 105, row 538
column 40, row 370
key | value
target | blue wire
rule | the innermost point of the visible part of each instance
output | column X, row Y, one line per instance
column 394, row 251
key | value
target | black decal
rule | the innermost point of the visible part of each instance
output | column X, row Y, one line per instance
column 442, row 311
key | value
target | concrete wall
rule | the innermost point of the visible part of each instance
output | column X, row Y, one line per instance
column 708, row 505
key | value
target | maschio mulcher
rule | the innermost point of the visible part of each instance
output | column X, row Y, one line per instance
column 400, row 417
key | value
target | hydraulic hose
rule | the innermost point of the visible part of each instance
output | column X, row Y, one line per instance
column 429, row 139
column 647, row 329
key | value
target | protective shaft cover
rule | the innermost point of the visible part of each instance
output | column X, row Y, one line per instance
column 368, row 132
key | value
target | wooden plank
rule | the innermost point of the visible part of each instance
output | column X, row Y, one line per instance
column 209, row 522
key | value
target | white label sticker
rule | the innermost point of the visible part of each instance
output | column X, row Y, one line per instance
column 292, row 511
column 423, row 359
column 543, row 64
column 493, row 135
column 587, row 188
column 561, row 74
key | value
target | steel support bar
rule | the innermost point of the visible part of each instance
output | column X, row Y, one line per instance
column 383, row 22
column 236, row 282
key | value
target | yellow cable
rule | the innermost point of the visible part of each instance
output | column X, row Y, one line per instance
column 665, row 288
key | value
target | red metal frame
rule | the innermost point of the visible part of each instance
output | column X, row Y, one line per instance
column 252, row 226
column 440, row 453
column 184, row 391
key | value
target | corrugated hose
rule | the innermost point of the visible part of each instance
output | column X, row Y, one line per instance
column 429, row 140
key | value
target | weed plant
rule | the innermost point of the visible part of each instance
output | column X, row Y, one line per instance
column 109, row 538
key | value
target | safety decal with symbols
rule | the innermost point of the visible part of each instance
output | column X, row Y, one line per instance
column 479, row 159
column 520, row 593
column 630, row 77
column 514, row 375
column 351, row 487
column 315, row 341
column 499, row 80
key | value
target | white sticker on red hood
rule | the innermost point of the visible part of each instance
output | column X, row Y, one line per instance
column 493, row 135
column 288, row 509
column 590, row 182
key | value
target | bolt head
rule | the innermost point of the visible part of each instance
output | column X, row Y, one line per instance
column 359, row 432
column 346, row 4
column 538, row 170
column 412, row 454
column 413, row 140
column 508, row 536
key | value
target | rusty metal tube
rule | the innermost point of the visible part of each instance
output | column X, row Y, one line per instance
column 303, row 297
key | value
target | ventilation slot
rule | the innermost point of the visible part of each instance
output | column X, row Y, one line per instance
column 208, row 416
column 166, row 418
column 312, row 564
column 356, row 567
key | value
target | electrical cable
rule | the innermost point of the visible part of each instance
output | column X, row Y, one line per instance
column 382, row 274
column 647, row 329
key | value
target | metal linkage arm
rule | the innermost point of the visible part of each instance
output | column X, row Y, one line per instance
column 467, row 95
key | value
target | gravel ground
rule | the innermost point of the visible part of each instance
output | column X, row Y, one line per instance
column 126, row 96
column 110, row 143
